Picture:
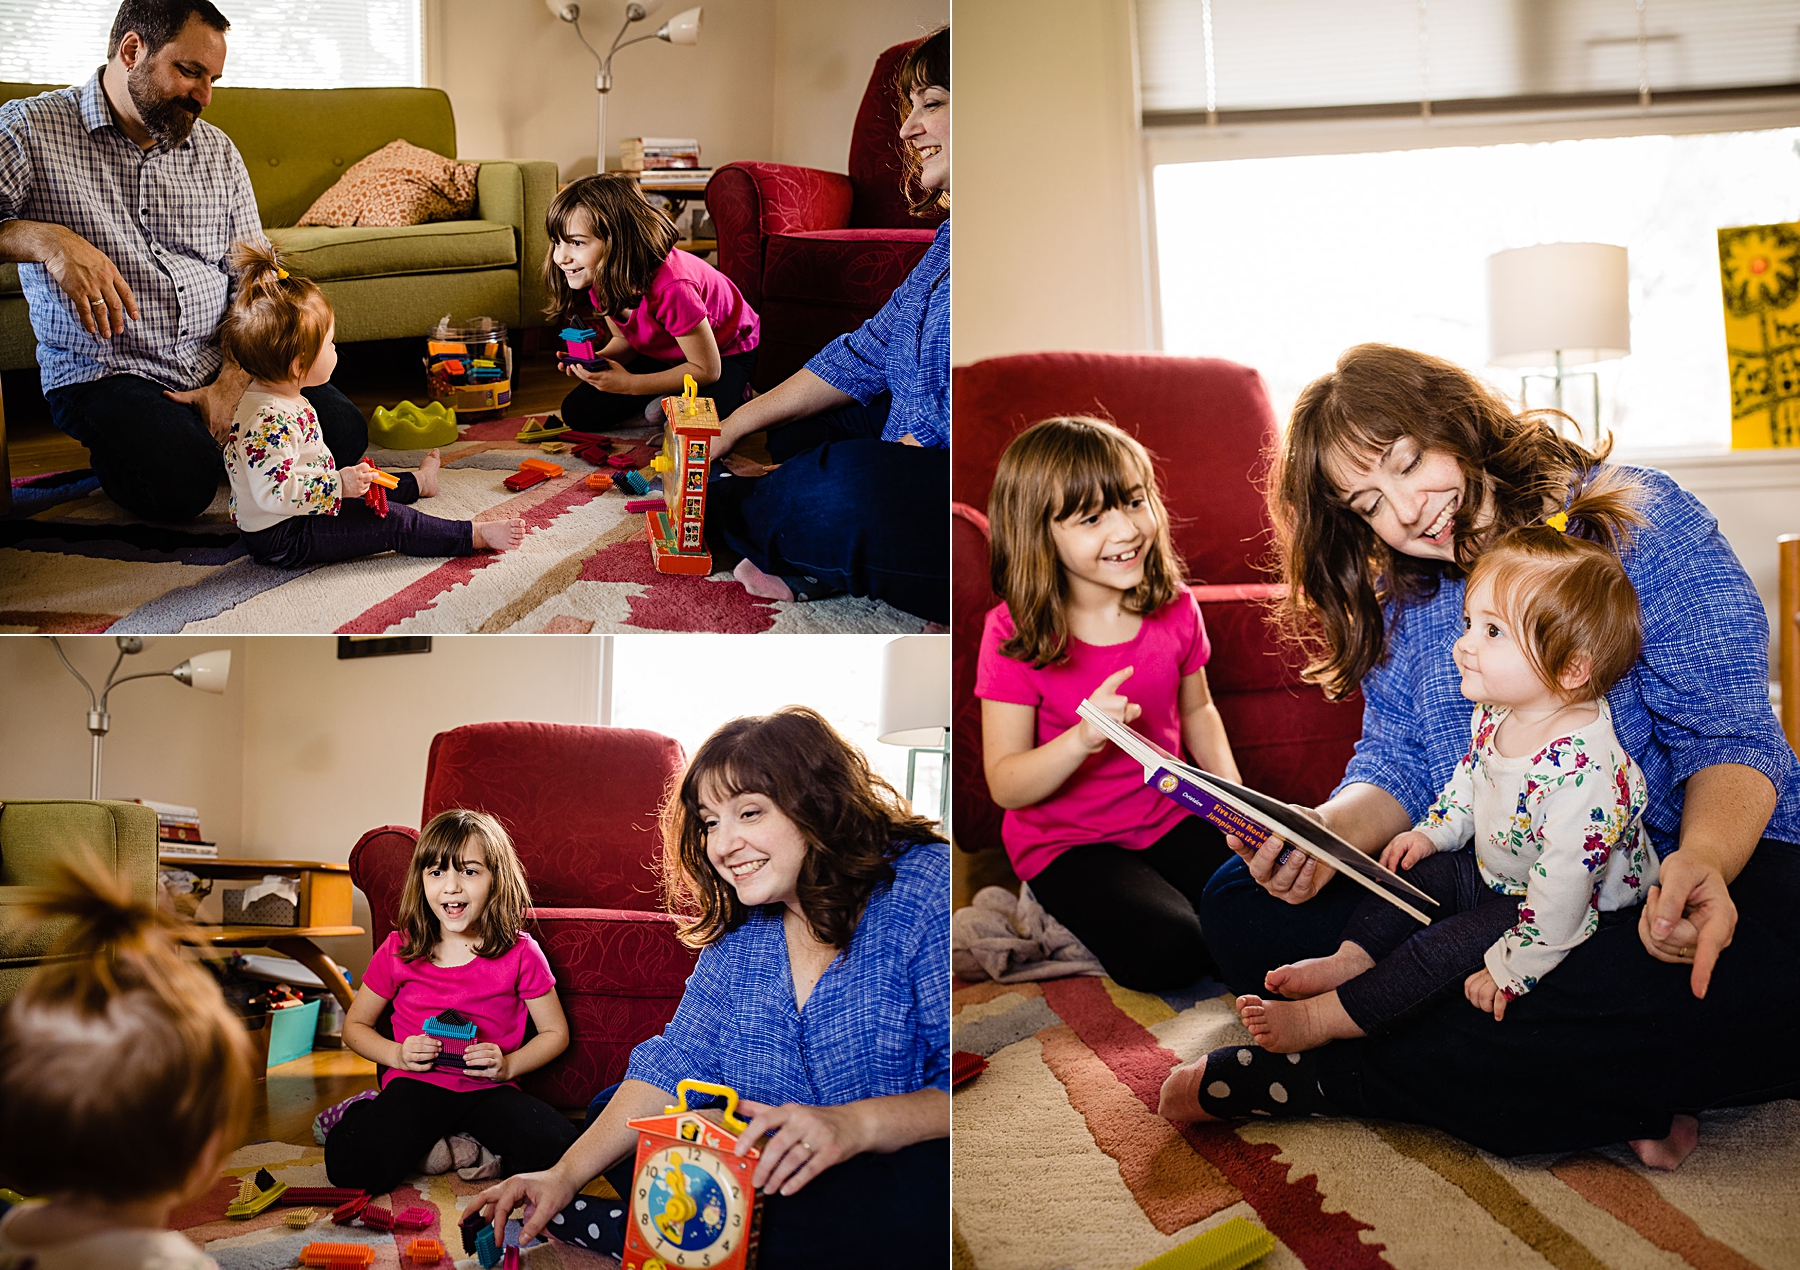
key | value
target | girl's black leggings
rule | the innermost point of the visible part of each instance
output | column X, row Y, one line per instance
column 586, row 408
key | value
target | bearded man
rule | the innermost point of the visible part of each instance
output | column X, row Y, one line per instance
column 121, row 205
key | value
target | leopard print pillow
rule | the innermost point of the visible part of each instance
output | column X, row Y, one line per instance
column 400, row 184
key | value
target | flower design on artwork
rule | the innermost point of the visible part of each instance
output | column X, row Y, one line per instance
column 1759, row 266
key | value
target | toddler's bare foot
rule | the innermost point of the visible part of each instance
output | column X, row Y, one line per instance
column 1180, row 1097
column 1315, row 975
column 1669, row 1152
column 499, row 535
column 427, row 475
column 758, row 583
column 1287, row 1027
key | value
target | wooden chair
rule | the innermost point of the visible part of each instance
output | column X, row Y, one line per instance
column 1787, row 616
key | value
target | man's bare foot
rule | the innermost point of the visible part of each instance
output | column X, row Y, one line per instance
column 427, row 474
column 499, row 535
column 1309, row 978
column 1287, row 1027
column 1669, row 1152
column 1180, row 1097
column 758, row 583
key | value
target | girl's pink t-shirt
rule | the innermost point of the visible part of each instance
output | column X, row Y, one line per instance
column 1105, row 800
column 683, row 291
column 490, row 992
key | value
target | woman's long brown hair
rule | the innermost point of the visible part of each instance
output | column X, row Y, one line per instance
column 855, row 823
column 638, row 239
column 926, row 65
column 119, row 1061
column 1055, row 469
column 1340, row 576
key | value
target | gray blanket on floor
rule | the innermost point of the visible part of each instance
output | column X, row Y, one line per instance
column 1011, row 939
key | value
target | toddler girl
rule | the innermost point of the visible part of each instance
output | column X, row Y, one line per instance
column 293, row 504
column 459, row 946
column 1546, row 793
column 124, row 1081
column 667, row 313
column 1095, row 607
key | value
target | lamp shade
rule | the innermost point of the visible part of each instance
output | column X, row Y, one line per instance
column 683, row 28
column 1568, row 298
column 207, row 672
column 915, row 691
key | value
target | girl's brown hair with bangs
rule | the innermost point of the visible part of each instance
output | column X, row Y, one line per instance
column 444, row 843
column 926, row 65
column 855, row 823
column 638, row 239
column 1055, row 469
column 277, row 322
column 1565, row 593
column 122, row 1040
column 1340, row 576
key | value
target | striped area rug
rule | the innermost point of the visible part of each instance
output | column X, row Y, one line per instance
column 71, row 560
column 1061, row 1161
column 264, row 1242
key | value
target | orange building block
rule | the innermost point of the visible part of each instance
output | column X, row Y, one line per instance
column 336, row 1255
column 425, row 1251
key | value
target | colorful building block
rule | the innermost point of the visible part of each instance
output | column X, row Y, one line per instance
column 487, row 1251
column 631, row 482
column 524, row 479
column 600, row 480
column 241, row 1209
column 541, row 465
column 333, row 1195
column 425, row 1251
column 1230, row 1246
column 299, row 1218
column 415, row 1217
column 350, row 1210
column 542, row 431
column 375, row 1217
column 453, row 1024
column 578, row 341
column 336, row 1255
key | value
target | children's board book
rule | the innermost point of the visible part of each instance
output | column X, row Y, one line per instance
column 1253, row 816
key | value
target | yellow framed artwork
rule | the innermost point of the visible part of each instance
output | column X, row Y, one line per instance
column 1759, row 270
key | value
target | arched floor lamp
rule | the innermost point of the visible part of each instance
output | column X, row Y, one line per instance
column 207, row 672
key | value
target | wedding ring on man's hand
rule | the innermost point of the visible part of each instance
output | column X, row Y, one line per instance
column 808, row 1147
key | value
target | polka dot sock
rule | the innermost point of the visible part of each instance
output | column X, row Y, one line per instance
column 592, row 1223
column 1240, row 1081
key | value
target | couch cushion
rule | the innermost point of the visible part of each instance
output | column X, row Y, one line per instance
column 852, row 268
column 324, row 253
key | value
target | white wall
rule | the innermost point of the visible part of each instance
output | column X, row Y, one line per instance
column 1049, row 185
column 770, row 79
column 824, row 51
column 168, row 743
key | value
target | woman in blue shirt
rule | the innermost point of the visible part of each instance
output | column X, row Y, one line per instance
column 822, row 995
column 1396, row 469
column 859, row 500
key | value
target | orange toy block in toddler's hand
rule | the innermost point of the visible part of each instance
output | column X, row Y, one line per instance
column 385, row 479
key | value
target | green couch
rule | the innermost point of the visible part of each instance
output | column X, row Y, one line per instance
column 384, row 283
column 34, row 835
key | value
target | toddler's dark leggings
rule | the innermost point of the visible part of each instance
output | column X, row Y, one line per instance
column 1418, row 966
column 356, row 532
column 380, row 1141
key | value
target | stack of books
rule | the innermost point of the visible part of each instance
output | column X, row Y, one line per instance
column 655, row 154
column 178, row 831
column 664, row 161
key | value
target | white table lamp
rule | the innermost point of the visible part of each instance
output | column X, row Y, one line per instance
column 208, row 672
column 1559, row 305
column 915, row 706
column 683, row 28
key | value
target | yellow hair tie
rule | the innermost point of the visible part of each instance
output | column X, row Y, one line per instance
column 282, row 274
column 1558, row 522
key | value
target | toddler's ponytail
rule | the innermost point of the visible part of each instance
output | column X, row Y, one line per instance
column 277, row 320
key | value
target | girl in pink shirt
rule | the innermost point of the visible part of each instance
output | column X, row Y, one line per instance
column 459, row 948
column 613, row 263
column 1095, row 607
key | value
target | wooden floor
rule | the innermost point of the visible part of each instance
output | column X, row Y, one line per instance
column 296, row 1092
column 377, row 373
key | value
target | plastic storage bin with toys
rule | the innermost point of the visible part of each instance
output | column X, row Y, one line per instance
column 468, row 365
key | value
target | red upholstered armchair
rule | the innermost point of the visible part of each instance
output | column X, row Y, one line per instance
column 818, row 253
column 581, row 805
column 1209, row 425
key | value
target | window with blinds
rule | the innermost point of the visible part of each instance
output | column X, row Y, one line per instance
column 1245, row 59
column 272, row 44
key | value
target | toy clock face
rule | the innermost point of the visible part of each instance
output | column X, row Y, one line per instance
column 691, row 1207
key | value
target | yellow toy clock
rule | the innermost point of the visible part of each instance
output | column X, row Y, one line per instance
column 692, row 1204
column 677, row 530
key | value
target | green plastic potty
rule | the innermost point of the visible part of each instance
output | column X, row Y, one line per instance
column 410, row 427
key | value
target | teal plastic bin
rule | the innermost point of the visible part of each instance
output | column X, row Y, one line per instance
column 291, row 1032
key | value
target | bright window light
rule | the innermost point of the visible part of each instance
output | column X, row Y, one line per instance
column 685, row 686
column 272, row 43
column 1283, row 263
